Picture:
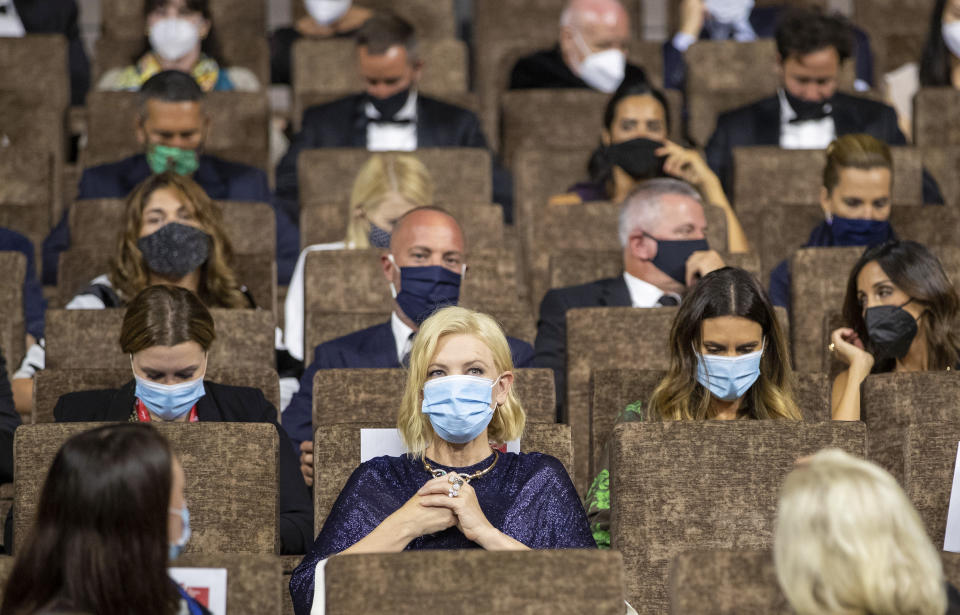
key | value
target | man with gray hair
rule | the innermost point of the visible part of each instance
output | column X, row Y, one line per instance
column 662, row 234
column 591, row 52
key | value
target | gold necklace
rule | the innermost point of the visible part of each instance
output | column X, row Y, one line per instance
column 466, row 478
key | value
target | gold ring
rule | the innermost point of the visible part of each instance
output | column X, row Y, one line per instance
column 832, row 347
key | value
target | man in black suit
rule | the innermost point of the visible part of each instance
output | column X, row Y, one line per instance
column 807, row 112
column 424, row 268
column 591, row 52
column 172, row 127
column 390, row 114
column 662, row 227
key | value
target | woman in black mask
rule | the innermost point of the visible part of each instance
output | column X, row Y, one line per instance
column 902, row 311
column 634, row 147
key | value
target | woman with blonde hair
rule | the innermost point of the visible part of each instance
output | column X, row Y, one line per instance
column 387, row 186
column 847, row 541
column 451, row 490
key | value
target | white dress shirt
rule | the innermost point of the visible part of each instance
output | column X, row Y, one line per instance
column 811, row 134
column 643, row 294
column 387, row 137
column 401, row 336
column 10, row 24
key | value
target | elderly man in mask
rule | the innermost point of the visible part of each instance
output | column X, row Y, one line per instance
column 591, row 52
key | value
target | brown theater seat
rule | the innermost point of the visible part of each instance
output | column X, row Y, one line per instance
column 12, row 334
column 88, row 339
column 254, row 582
column 50, row 384
column 365, row 395
column 566, row 581
column 326, row 175
column 680, row 486
column 125, row 18
column 338, row 455
column 929, row 456
column 231, row 470
column 941, row 162
column 897, row 30
column 936, row 122
column 726, row 582
column 27, row 191
column 36, row 66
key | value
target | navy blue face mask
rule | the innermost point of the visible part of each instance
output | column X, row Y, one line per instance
column 854, row 232
column 672, row 255
column 424, row 290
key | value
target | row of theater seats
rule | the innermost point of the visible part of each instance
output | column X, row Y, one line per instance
column 719, row 482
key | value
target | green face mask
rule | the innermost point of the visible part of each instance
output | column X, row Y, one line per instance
column 165, row 158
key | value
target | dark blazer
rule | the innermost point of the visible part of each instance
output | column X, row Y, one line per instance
column 220, row 179
column 551, row 343
column 226, row 404
column 546, row 69
column 368, row 348
column 9, row 421
column 343, row 123
column 34, row 305
column 759, row 124
column 60, row 17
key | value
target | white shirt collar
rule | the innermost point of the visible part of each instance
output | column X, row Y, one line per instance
column 401, row 335
column 643, row 294
column 407, row 112
column 811, row 134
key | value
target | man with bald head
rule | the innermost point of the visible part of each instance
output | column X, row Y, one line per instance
column 662, row 232
column 424, row 268
column 591, row 52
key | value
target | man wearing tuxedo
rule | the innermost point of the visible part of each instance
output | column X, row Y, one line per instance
column 389, row 115
column 662, row 234
column 424, row 268
column 807, row 112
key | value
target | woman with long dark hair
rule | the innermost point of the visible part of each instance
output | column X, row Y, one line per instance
column 901, row 311
column 111, row 515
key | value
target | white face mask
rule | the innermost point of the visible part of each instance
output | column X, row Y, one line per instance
column 729, row 11
column 173, row 37
column 951, row 36
column 602, row 70
column 326, row 12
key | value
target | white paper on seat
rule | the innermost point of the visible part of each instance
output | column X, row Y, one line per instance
column 208, row 586
column 951, row 541
column 378, row 442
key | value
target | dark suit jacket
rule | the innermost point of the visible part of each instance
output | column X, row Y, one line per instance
column 551, row 343
column 343, row 123
column 220, row 179
column 60, row 17
column 9, row 421
column 759, row 124
column 226, row 404
column 368, row 348
column 546, row 69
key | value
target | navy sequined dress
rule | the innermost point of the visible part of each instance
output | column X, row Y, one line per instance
column 527, row 496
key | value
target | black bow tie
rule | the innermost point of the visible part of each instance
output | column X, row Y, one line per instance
column 822, row 112
column 398, row 121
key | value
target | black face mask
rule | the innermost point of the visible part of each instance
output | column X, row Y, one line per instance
column 672, row 255
column 389, row 106
column 637, row 158
column 808, row 110
column 175, row 250
column 890, row 331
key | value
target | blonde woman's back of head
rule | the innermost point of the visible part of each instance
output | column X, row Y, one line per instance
column 848, row 542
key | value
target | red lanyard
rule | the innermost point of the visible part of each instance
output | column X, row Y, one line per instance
column 143, row 415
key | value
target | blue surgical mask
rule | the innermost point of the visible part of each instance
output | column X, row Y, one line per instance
column 424, row 290
column 728, row 378
column 459, row 407
column 177, row 548
column 169, row 401
column 854, row 232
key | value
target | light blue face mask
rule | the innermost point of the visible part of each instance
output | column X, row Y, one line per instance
column 177, row 548
column 728, row 378
column 459, row 407
column 169, row 401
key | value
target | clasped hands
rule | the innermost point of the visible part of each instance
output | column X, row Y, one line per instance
column 432, row 509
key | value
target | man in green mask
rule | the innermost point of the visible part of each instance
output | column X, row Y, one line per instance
column 172, row 127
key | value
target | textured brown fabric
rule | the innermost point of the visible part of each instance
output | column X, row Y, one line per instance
column 703, row 485
column 50, row 384
column 337, row 454
column 78, row 267
column 87, row 339
column 26, row 188
column 254, row 582
column 563, row 581
column 941, row 162
column 889, row 403
column 14, row 268
column 951, row 567
column 726, row 583
column 935, row 119
column 320, row 327
column 929, row 457
column 6, row 567
column 258, row 272
column 777, row 230
column 361, row 395
column 231, row 471
column 124, row 18
column 36, row 66
column 897, row 30
column 530, row 118
column 326, row 175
